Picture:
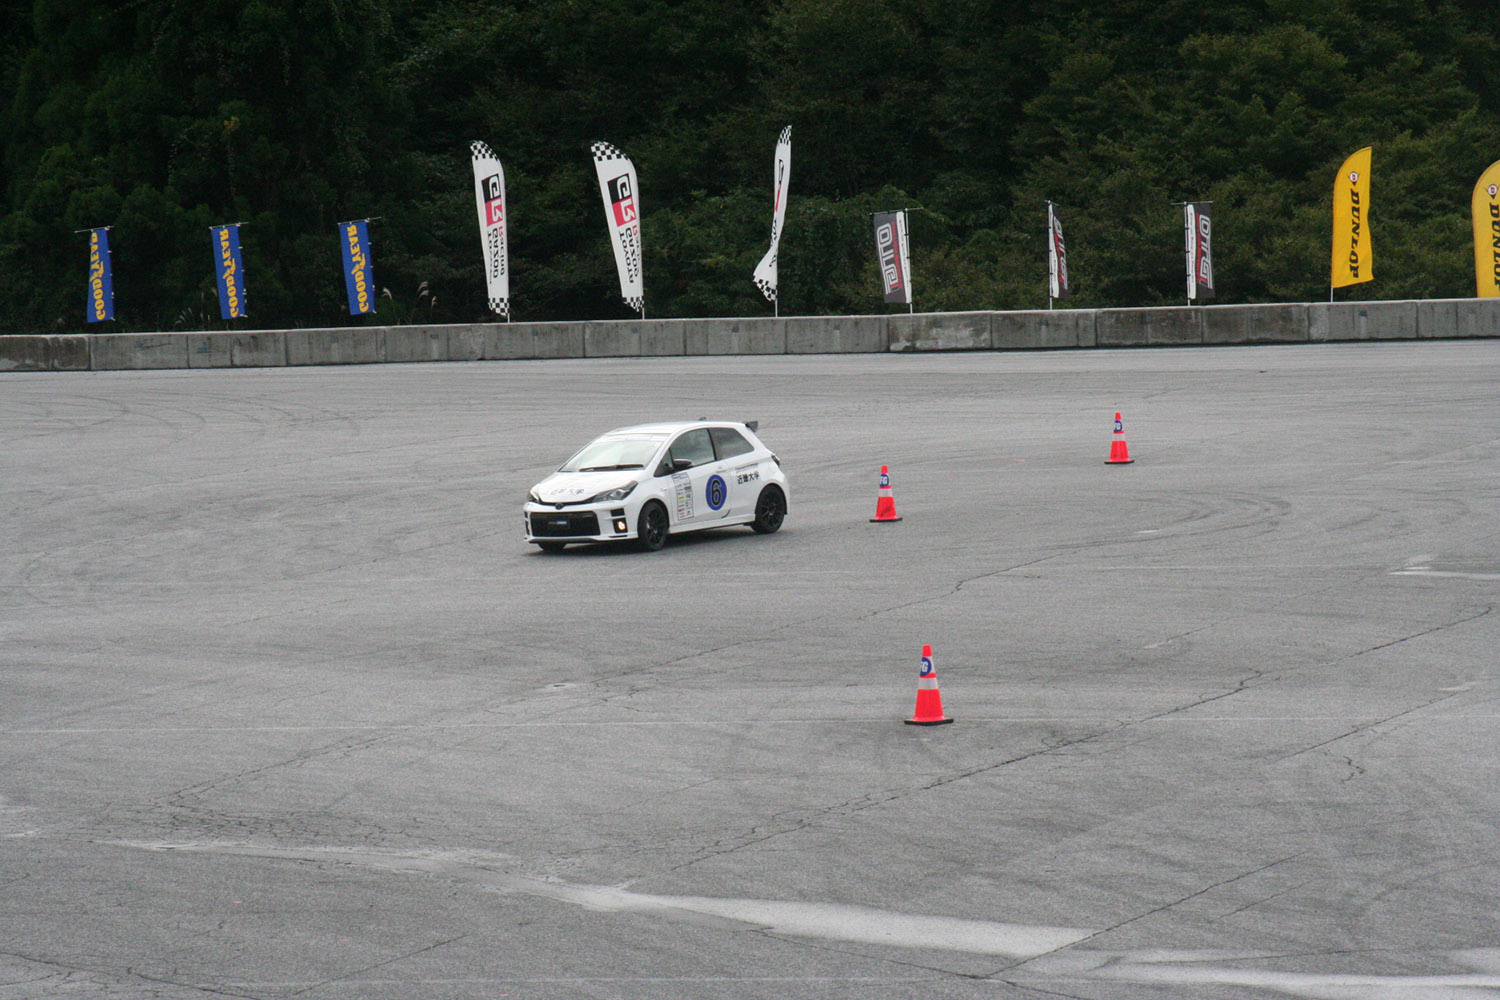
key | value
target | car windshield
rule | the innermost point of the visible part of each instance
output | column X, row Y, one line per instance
column 610, row 453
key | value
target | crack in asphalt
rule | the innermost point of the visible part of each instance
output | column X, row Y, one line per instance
column 66, row 978
column 811, row 818
column 380, row 965
column 1417, row 635
column 1167, row 906
column 791, row 822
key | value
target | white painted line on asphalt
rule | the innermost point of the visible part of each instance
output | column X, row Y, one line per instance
column 253, row 986
column 1046, row 950
column 823, row 921
column 1124, row 967
column 1444, row 573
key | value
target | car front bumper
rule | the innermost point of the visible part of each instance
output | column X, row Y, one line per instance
column 597, row 522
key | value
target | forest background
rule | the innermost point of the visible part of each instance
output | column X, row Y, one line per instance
column 161, row 118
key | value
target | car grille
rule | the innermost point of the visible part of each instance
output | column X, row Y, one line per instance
column 564, row 524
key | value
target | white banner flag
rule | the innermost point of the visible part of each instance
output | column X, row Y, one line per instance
column 622, row 209
column 1057, row 256
column 489, row 197
column 765, row 271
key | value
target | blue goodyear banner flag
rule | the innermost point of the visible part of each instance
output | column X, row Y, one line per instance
column 230, row 269
column 359, row 279
column 101, row 280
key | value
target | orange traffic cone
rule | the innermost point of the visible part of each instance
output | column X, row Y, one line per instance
column 1119, row 453
column 885, row 507
column 929, row 711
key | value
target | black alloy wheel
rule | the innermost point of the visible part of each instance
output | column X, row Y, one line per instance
column 651, row 529
column 770, row 510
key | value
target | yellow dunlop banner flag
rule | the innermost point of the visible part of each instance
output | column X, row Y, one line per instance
column 1487, row 232
column 1353, row 255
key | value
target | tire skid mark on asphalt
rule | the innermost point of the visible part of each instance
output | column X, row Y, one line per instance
column 1043, row 952
column 1266, row 514
column 737, row 723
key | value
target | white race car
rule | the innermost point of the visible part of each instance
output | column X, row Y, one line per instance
column 643, row 483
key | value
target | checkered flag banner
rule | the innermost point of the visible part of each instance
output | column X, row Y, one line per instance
column 765, row 271
column 622, row 210
column 489, row 198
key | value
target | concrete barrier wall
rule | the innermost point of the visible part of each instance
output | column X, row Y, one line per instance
column 837, row 334
column 733, row 336
column 1044, row 329
column 646, row 338
column 966, row 331
column 357, row 345
column 1264, row 324
column 68, row 353
column 1458, row 317
column 529, row 341
column 1361, row 321
column 1281, row 323
column 137, row 351
column 1173, row 326
column 1477, row 318
column 265, row 349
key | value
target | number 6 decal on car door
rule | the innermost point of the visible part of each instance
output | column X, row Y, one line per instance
column 716, row 492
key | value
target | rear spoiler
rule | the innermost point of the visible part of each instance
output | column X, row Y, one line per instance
column 751, row 424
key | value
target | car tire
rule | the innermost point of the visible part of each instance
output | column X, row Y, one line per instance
column 770, row 510
column 551, row 546
column 651, row 527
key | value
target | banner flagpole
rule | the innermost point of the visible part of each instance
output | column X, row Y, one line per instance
column 1187, row 243
column 911, row 297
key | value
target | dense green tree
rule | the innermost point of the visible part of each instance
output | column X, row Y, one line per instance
column 162, row 117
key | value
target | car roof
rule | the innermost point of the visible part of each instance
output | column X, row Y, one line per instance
column 674, row 426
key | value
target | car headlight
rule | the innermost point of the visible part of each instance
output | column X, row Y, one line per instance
column 533, row 497
column 611, row 496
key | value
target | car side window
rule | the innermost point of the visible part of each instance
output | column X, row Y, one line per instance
column 694, row 445
column 729, row 442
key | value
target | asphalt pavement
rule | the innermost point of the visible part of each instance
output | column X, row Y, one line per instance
column 288, row 708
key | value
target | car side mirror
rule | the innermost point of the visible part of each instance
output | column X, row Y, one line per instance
column 681, row 464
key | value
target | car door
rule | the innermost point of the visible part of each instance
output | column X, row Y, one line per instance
column 740, row 469
column 699, row 492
